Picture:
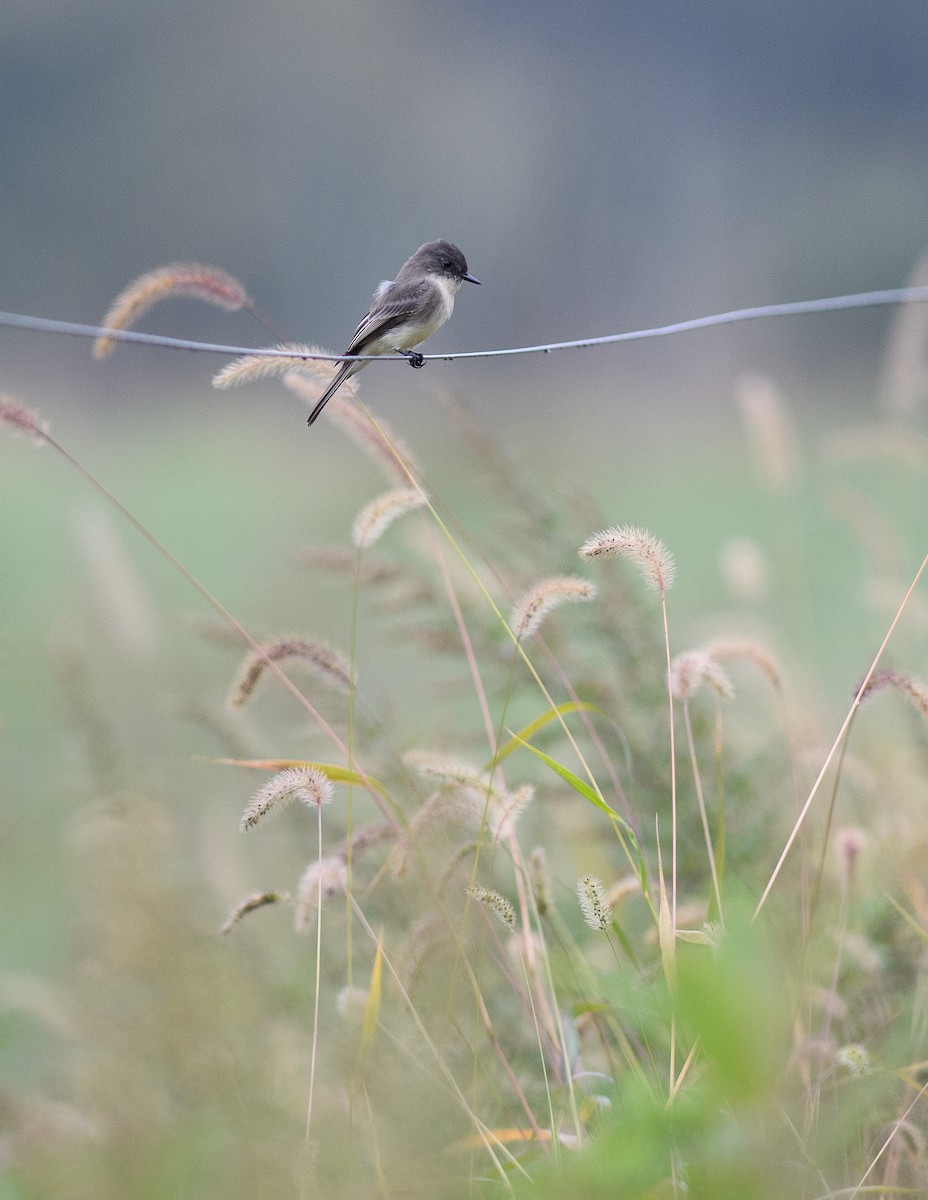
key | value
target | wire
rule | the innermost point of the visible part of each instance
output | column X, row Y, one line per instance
column 795, row 308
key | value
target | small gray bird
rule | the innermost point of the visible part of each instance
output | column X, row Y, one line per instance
column 406, row 310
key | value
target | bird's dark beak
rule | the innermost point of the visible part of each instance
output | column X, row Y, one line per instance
column 470, row 279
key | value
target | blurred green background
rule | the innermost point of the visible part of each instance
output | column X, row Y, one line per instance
column 602, row 166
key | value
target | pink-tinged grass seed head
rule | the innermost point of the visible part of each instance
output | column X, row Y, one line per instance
column 179, row 279
column 648, row 553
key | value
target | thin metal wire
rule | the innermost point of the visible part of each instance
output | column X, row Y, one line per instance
column 795, row 308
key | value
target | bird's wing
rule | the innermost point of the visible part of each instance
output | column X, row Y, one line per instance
column 396, row 307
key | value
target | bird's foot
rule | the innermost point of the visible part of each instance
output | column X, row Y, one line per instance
column 415, row 358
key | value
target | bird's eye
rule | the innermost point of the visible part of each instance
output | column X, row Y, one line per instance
column 446, row 264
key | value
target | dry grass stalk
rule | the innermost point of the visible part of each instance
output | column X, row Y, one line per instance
column 377, row 440
column 179, row 279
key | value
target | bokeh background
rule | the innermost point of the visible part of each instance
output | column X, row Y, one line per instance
column 603, row 166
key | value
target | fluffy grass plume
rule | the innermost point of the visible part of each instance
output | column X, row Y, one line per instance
column 251, row 368
column 899, row 681
column 326, row 662
column 21, row 419
column 328, row 876
column 179, row 279
column 648, row 553
column 540, row 880
column 529, row 612
column 744, row 650
column 251, row 904
column 373, row 521
column 496, row 902
column 693, row 669
column 596, row 909
column 444, row 769
column 770, row 431
column 306, row 784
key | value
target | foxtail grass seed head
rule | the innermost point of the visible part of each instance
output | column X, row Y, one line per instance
column 911, row 1141
column 446, row 770
column 376, row 518
column 745, row 569
column 908, row 685
column 342, row 562
column 249, row 905
column 469, row 804
column 530, row 611
column 331, row 874
column 769, row 430
column 648, row 553
column 735, row 649
column 323, row 660
column 123, row 602
column 179, row 279
column 855, row 1059
column 715, row 935
column 350, row 1004
column 495, row 901
column 540, row 880
column 689, row 671
column 597, row 911
column 251, row 368
column 505, row 812
column 629, row 885
column 20, row 419
column 306, row 784
column 850, row 843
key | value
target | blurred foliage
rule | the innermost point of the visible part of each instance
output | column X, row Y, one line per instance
column 148, row 1056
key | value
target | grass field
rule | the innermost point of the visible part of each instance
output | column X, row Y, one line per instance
column 716, row 1019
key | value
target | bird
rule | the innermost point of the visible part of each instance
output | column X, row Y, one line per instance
column 405, row 311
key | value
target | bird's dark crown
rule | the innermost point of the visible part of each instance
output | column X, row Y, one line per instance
column 441, row 257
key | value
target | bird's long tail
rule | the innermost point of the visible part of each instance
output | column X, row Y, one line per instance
column 343, row 372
